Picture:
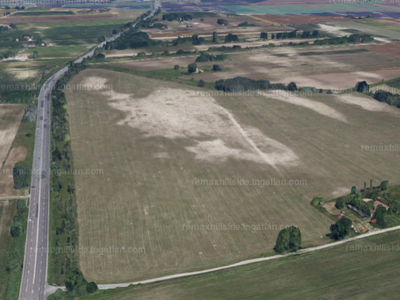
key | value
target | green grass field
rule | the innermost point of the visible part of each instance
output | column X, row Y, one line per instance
column 11, row 252
column 365, row 269
column 151, row 194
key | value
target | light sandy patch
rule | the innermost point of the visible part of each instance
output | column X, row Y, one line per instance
column 9, row 128
column 340, row 192
column 331, row 208
column 383, row 40
column 23, row 73
column 93, row 80
column 333, row 29
column 364, row 102
column 161, row 155
column 6, row 178
column 315, row 106
column 177, row 113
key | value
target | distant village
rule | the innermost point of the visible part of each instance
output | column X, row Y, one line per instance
column 27, row 41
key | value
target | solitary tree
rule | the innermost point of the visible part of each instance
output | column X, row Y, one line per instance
column 192, row 68
column 215, row 37
column 341, row 228
column 384, row 185
column 292, row 86
column 353, row 190
column 289, row 239
column 216, row 68
column 340, row 203
column 264, row 36
column 201, row 83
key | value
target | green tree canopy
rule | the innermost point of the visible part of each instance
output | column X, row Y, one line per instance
column 289, row 239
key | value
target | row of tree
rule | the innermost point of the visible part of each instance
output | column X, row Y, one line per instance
column 352, row 39
column 242, row 84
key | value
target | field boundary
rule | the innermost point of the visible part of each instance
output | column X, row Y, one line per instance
column 246, row 262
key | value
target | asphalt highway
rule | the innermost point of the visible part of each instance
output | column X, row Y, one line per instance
column 34, row 273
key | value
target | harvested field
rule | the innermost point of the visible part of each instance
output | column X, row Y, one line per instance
column 10, row 118
column 154, row 64
column 59, row 19
column 342, row 80
column 254, row 44
column 173, row 156
column 317, row 66
column 392, row 49
column 297, row 19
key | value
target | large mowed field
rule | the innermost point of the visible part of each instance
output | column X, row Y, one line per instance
column 365, row 269
column 190, row 181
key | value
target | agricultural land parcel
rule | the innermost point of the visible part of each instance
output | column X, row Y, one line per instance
column 308, row 276
column 157, row 142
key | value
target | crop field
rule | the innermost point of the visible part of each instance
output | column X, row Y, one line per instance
column 311, row 8
column 192, row 181
column 334, row 273
column 8, row 209
column 309, row 66
column 375, row 28
column 10, row 116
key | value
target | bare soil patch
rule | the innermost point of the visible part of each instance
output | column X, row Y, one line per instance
column 391, row 49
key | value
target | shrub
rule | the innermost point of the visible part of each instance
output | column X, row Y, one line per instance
column 201, row 83
column 192, row 68
column 216, row 68
column 21, row 177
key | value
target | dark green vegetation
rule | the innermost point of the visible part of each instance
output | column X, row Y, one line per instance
column 12, row 242
column 352, row 39
column 21, row 177
column 229, row 38
column 341, row 229
column 205, row 57
column 63, row 262
column 242, row 84
column 289, row 240
column 388, row 98
column 373, row 260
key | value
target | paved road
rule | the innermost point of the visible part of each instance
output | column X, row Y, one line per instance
column 246, row 262
column 34, row 275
